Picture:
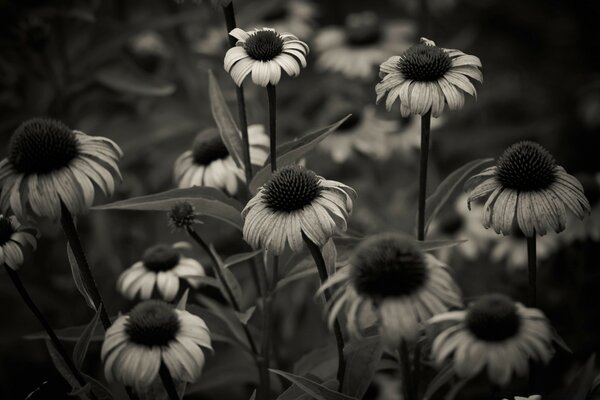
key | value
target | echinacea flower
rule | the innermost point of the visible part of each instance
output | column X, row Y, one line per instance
column 182, row 215
column 362, row 132
column 153, row 333
column 494, row 333
column 296, row 16
column 49, row 165
column 293, row 202
column 209, row 163
column 527, row 186
column 425, row 78
column 356, row 49
column 264, row 53
column 161, row 271
column 390, row 276
column 13, row 238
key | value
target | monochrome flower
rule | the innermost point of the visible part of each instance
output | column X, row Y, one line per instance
column 153, row 333
column 264, row 53
column 357, row 48
column 13, row 238
column 209, row 163
column 390, row 276
column 527, row 186
column 182, row 215
column 293, row 202
column 49, row 165
column 494, row 333
column 160, row 271
column 426, row 77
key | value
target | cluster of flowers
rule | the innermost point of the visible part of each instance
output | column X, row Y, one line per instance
column 388, row 280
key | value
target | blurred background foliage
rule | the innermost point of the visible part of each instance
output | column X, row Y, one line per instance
column 136, row 72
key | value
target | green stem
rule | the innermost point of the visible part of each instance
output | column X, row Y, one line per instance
column 167, row 380
column 272, row 94
column 406, row 373
column 315, row 251
column 425, row 131
column 14, row 276
column 70, row 230
column 532, row 266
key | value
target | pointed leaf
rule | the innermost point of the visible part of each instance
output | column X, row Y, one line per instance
column 135, row 82
column 230, row 279
column 246, row 315
column 362, row 358
column 182, row 303
column 444, row 191
column 239, row 258
column 559, row 340
column 316, row 390
column 294, row 277
column 291, row 152
column 230, row 134
column 62, row 368
column 77, row 278
column 82, row 345
column 69, row 334
column 206, row 200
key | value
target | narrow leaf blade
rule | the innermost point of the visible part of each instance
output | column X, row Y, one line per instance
column 82, row 345
column 78, row 280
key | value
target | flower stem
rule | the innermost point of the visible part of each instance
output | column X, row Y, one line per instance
column 70, row 230
column 315, row 251
column 425, row 131
column 406, row 374
column 272, row 94
column 14, row 276
column 167, row 380
column 531, row 262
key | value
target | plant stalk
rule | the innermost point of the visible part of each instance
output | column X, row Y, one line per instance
column 532, row 266
column 425, row 133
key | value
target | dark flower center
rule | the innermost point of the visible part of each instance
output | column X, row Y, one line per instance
column 363, row 29
column 182, row 215
column 291, row 188
column 388, row 265
column 493, row 318
column 451, row 223
column 208, row 147
column 424, row 63
column 40, row 146
column 352, row 122
column 6, row 230
column 161, row 257
column 152, row 323
column 264, row 45
column 526, row 166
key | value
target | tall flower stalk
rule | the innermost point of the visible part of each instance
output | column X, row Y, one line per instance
column 424, row 159
column 532, row 269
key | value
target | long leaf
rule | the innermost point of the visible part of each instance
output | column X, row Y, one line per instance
column 78, row 280
column 291, row 152
column 230, row 134
column 78, row 390
column 430, row 245
column 223, row 318
column 69, row 334
column 362, row 358
column 230, row 279
column 239, row 258
column 316, row 390
column 206, row 200
column 101, row 391
column 444, row 191
column 82, row 345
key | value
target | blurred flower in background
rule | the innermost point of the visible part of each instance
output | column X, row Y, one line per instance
column 295, row 16
column 209, row 163
column 512, row 249
column 13, row 238
column 365, row 41
column 160, row 273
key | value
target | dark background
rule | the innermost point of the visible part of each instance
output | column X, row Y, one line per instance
column 542, row 82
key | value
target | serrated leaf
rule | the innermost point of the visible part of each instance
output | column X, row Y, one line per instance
column 230, row 279
column 230, row 134
column 447, row 188
column 430, row 245
column 133, row 81
column 78, row 280
column 206, row 200
column 64, row 371
column 291, row 152
column 239, row 258
column 362, row 358
column 82, row 345
column 316, row 390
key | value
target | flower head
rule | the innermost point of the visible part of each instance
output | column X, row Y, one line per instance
column 293, row 202
column 160, row 271
column 527, row 186
column 494, row 333
column 425, row 78
column 182, row 215
column 209, row 163
column 264, row 53
column 49, row 165
column 391, row 276
column 153, row 333
column 13, row 238
column 364, row 42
